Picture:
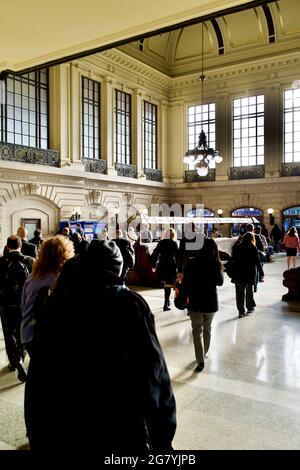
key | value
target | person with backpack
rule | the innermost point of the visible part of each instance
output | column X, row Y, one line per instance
column 54, row 252
column 93, row 327
column 14, row 270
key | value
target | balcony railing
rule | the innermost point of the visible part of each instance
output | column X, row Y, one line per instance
column 94, row 165
column 191, row 176
column 290, row 169
column 246, row 172
column 24, row 154
column 153, row 174
column 126, row 170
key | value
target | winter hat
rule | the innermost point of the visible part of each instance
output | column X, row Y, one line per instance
column 104, row 255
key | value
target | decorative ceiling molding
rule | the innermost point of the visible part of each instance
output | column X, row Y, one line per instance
column 261, row 66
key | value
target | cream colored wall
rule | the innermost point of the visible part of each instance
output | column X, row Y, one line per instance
column 57, row 191
column 32, row 33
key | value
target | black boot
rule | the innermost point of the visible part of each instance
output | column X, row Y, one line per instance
column 167, row 299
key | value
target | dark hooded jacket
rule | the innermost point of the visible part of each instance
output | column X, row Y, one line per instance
column 97, row 380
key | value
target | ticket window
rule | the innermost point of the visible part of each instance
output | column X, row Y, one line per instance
column 291, row 217
column 31, row 225
column 236, row 229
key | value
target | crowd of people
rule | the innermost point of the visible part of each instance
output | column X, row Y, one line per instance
column 64, row 291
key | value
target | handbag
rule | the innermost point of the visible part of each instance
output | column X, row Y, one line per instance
column 179, row 301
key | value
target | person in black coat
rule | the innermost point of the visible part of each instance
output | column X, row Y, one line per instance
column 198, row 290
column 28, row 249
column 247, row 268
column 37, row 239
column 127, row 252
column 10, row 307
column 276, row 236
column 189, row 246
column 164, row 262
column 97, row 380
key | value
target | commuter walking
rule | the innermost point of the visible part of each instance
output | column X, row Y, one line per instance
column 164, row 262
column 127, row 252
column 247, row 268
column 276, row 236
column 94, row 327
column 53, row 254
column 14, row 269
column 189, row 246
column 198, row 291
column 291, row 245
column 37, row 239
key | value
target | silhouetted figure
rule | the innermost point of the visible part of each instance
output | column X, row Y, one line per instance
column 198, row 290
column 164, row 262
column 37, row 240
column 276, row 236
column 14, row 270
column 92, row 328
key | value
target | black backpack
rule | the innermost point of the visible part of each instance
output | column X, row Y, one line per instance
column 14, row 278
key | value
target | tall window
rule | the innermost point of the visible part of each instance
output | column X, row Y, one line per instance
column 122, row 127
column 248, row 131
column 292, row 125
column 150, row 135
column 90, row 105
column 24, row 109
column 201, row 116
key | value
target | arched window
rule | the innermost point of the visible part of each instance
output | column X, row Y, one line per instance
column 291, row 216
column 245, row 212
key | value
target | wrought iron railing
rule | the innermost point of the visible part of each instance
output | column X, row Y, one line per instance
column 191, row 176
column 153, row 174
column 290, row 169
column 129, row 171
column 94, row 165
column 24, row 154
column 246, row 172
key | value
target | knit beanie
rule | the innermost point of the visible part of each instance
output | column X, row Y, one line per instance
column 104, row 255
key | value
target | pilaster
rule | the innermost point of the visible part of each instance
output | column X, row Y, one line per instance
column 107, row 124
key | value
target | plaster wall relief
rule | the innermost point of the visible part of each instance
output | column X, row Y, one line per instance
column 28, row 207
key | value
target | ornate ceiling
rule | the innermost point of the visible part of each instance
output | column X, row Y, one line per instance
column 33, row 32
column 252, row 34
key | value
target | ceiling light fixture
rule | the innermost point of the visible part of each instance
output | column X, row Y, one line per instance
column 202, row 156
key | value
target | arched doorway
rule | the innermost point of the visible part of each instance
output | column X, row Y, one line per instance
column 245, row 212
column 29, row 207
column 291, row 216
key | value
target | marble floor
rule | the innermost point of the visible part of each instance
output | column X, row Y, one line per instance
column 247, row 397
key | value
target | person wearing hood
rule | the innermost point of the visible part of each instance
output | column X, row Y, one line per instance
column 97, row 375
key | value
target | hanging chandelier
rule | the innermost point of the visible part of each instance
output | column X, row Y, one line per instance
column 203, row 157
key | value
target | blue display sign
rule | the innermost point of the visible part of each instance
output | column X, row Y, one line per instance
column 291, row 211
column 91, row 227
column 247, row 212
column 200, row 213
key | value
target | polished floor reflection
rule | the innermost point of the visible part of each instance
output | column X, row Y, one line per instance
column 248, row 395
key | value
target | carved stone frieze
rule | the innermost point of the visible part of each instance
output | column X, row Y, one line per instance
column 95, row 196
column 34, row 188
